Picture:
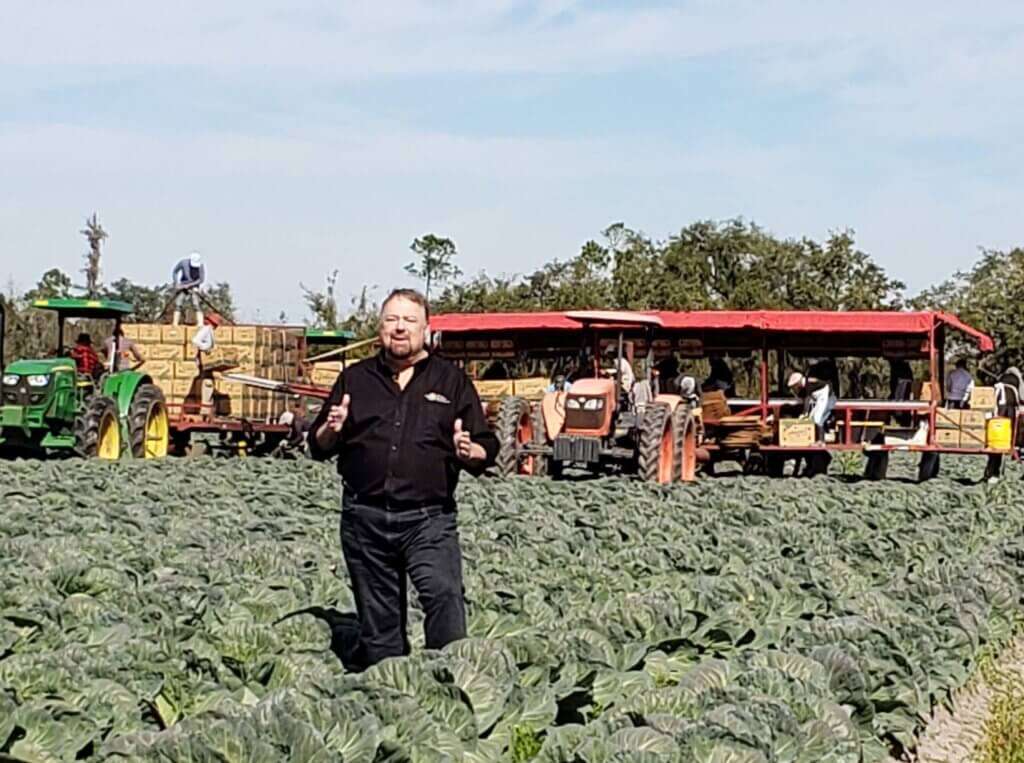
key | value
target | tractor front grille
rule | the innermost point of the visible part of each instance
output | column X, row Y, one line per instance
column 24, row 395
column 574, row 448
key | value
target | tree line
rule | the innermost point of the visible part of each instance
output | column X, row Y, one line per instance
column 732, row 264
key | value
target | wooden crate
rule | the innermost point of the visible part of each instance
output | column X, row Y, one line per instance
column 172, row 334
column 983, row 398
column 796, row 433
column 245, row 334
column 185, row 369
column 163, row 369
column 149, row 333
column 947, row 438
column 131, row 330
column 947, row 418
column 972, row 419
column 181, row 387
column 972, row 438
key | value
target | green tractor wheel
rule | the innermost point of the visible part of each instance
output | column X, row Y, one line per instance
column 148, row 427
column 98, row 430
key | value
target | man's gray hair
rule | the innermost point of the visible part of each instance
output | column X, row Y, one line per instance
column 410, row 294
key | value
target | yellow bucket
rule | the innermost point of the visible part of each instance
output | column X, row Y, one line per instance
column 999, row 434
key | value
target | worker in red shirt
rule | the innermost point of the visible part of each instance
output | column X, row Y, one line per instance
column 85, row 357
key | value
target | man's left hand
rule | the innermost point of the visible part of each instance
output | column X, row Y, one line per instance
column 465, row 448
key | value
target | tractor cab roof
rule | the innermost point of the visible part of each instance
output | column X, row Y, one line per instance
column 614, row 318
column 73, row 307
column 329, row 336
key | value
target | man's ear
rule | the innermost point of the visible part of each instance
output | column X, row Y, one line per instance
column 427, row 337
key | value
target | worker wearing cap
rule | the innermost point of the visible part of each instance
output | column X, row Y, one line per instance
column 818, row 400
column 188, row 275
column 959, row 385
column 204, row 339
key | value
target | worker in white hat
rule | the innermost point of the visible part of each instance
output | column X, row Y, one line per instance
column 817, row 397
column 188, row 275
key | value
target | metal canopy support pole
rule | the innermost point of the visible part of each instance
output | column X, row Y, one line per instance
column 618, row 369
column 60, row 335
column 933, row 370
column 764, row 379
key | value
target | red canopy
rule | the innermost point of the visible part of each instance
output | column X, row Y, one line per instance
column 458, row 323
column 821, row 322
column 803, row 321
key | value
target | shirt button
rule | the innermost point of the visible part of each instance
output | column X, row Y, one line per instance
column 394, row 447
column 398, row 424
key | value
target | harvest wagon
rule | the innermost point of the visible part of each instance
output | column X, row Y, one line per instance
column 764, row 430
column 48, row 406
column 204, row 401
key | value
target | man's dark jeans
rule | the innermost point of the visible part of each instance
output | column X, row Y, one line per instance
column 381, row 548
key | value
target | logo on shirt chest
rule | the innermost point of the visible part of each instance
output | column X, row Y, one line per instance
column 437, row 397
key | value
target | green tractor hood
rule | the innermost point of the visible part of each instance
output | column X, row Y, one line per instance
column 33, row 367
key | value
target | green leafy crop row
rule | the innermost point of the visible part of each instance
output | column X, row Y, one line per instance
column 735, row 620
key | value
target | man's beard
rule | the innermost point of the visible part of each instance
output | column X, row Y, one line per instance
column 403, row 352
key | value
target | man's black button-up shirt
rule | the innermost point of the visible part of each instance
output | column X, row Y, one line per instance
column 396, row 447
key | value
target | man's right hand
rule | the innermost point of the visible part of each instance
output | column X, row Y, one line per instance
column 337, row 414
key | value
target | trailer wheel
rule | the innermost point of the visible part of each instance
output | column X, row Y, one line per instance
column 877, row 466
column 516, row 428
column 657, row 462
column 686, row 443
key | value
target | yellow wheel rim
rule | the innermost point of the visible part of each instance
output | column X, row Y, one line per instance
column 157, row 433
column 108, row 445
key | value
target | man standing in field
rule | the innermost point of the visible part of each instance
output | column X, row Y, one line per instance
column 403, row 425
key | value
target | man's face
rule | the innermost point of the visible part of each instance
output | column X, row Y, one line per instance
column 403, row 327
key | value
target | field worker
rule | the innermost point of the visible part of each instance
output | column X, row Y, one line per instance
column 622, row 368
column 1007, row 400
column 721, row 377
column 403, row 424
column 205, row 338
column 186, row 278
column 87, row 362
column 121, row 355
column 959, row 384
column 818, row 400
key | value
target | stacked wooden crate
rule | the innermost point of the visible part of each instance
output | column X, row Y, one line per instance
column 325, row 373
column 264, row 351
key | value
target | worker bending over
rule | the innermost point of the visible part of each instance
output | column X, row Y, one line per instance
column 188, row 275
column 818, row 400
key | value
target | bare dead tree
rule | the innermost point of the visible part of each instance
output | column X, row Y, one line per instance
column 95, row 233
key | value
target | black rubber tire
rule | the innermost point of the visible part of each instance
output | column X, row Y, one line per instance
column 876, row 467
column 541, row 464
column 656, row 420
column 511, row 412
column 817, row 463
column 928, row 467
column 147, row 398
column 88, row 424
column 682, row 422
column 774, row 465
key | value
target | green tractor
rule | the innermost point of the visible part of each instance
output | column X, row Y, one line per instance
column 47, row 406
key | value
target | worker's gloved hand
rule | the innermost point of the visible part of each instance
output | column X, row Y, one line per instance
column 337, row 414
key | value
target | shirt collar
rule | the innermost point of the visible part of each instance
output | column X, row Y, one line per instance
column 386, row 370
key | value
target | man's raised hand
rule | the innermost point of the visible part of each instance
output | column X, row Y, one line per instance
column 337, row 414
column 463, row 443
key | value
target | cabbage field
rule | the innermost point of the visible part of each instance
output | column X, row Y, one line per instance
column 143, row 617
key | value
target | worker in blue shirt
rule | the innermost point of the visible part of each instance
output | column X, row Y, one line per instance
column 189, row 274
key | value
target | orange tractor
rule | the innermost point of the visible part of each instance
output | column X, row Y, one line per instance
column 603, row 420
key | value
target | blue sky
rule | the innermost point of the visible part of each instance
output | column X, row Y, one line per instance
column 285, row 138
